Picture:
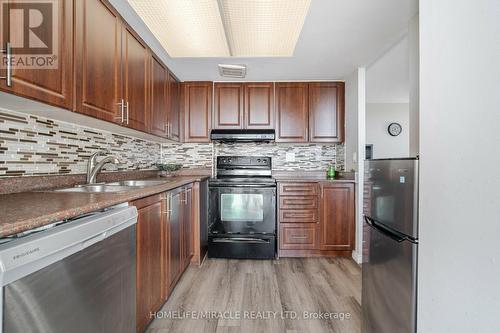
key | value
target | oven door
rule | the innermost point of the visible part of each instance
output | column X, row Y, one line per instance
column 242, row 210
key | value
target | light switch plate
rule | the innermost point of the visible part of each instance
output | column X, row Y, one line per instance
column 290, row 157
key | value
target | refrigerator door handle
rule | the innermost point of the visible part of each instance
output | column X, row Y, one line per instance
column 384, row 231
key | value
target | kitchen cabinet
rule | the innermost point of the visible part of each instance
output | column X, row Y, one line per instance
column 135, row 66
column 298, row 217
column 228, row 106
column 187, row 218
column 315, row 218
column 159, row 98
column 51, row 86
column 98, row 61
column 292, row 115
column 174, row 226
column 165, row 244
column 149, row 247
column 197, row 106
column 174, row 114
column 326, row 112
column 112, row 69
column 244, row 105
column 337, row 216
column 259, row 105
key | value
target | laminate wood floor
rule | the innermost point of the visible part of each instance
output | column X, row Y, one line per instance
column 265, row 296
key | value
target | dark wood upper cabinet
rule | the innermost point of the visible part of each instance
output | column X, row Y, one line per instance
column 174, row 115
column 337, row 216
column 135, row 57
column 149, row 244
column 292, row 112
column 98, row 56
column 259, row 105
column 243, row 105
column 228, row 106
column 197, row 106
column 326, row 112
column 52, row 86
column 159, row 98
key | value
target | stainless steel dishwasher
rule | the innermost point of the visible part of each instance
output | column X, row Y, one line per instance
column 75, row 276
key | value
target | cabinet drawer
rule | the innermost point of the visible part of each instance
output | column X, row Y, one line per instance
column 298, row 189
column 305, row 202
column 298, row 236
column 299, row 216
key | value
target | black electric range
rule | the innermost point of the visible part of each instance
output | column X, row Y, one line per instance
column 242, row 209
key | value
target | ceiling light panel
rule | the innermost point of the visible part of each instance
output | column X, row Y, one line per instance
column 263, row 28
column 185, row 28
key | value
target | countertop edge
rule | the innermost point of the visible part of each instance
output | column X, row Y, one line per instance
column 116, row 198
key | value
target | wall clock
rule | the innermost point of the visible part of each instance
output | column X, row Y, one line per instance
column 394, row 129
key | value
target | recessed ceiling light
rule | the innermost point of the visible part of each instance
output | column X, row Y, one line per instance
column 185, row 28
column 223, row 28
column 263, row 28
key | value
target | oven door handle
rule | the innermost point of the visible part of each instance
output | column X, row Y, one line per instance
column 241, row 240
column 243, row 185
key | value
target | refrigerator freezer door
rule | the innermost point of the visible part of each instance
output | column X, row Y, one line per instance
column 389, row 285
column 391, row 194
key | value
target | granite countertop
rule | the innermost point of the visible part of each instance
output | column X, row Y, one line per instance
column 24, row 211
column 313, row 176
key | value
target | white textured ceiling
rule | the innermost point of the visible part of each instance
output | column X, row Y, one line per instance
column 387, row 79
column 337, row 37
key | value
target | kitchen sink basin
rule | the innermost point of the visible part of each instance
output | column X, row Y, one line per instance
column 138, row 183
column 97, row 188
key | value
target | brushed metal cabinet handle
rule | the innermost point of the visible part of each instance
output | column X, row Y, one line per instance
column 8, row 53
column 128, row 111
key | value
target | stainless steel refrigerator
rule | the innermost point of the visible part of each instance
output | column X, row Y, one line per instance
column 390, row 245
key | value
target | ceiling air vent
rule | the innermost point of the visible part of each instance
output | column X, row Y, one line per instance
column 233, row 70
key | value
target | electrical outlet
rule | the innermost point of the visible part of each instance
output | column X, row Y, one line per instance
column 290, row 157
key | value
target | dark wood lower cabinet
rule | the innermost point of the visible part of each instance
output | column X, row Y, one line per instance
column 164, row 244
column 337, row 216
column 316, row 219
column 149, row 246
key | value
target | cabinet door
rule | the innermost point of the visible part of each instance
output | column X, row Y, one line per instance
column 174, row 116
column 228, row 106
column 52, row 86
column 159, row 99
column 149, row 262
column 187, row 219
column 135, row 57
column 197, row 111
column 259, row 105
column 174, row 239
column 326, row 112
column 291, row 112
column 98, row 60
column 337, row 217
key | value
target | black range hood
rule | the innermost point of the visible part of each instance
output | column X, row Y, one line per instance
column 242, row 135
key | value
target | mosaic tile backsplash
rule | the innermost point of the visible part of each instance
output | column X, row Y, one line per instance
column 32, row 145
column 309, row 157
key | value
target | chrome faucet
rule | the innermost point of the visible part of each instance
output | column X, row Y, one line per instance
column 93, row 168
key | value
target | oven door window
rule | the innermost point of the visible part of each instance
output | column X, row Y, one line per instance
column 242, row 207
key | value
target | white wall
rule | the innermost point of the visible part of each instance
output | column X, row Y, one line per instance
column 459, row 253
column 355, row 106
column 413, row 79
column 378, row 118
column 351, row 121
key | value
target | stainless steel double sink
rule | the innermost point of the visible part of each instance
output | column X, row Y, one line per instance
column 113, row 187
